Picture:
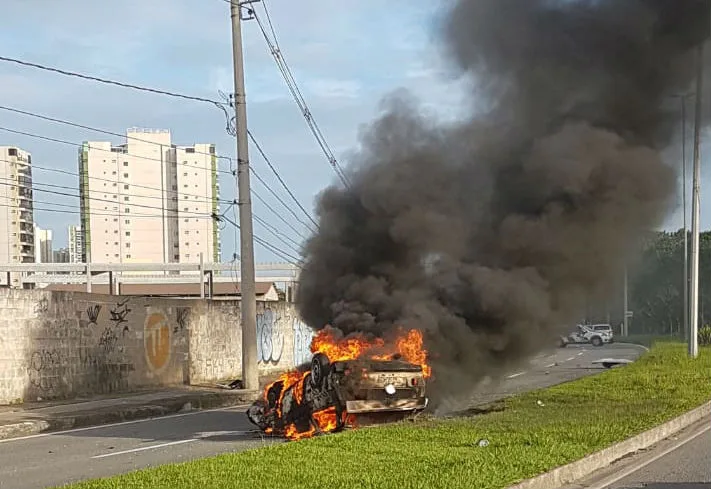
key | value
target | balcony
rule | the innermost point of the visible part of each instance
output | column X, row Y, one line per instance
column 26, row 216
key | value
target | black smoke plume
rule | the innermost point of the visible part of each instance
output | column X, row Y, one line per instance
column 490, row 234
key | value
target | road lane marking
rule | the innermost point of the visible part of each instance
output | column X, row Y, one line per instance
column 124, row 423
column 570, row 359
column 551, row 365
column 200, row 436
column 581, row 353
column 142, row 449
column 513, row 376
column 636, row 467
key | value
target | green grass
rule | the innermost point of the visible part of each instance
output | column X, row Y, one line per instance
column 525, row 439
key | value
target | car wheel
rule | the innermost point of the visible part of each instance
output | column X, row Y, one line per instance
column 607, row 365
column 319, row 369
column 596, row 341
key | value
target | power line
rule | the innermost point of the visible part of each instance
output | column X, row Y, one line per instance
column 286, row 187
column 98, row 130
column 111, row 133
column 106, row 81
column 291, row 83
column 116, row 182
column 218, row 104
column 288, row 224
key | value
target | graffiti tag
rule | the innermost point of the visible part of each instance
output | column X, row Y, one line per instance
column 182, row 319
column 92, row 312
column 119, row 313
column 302, row 341
column 42, row 364
column 270, row 341
column 42, row 305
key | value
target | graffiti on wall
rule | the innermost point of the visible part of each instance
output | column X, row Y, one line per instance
column 119, row 314
column 270, row 340
column 182, row 319
column 42, row 306
column 156, row 341
column 302, row 341
column 43, row 369
column 92, row 312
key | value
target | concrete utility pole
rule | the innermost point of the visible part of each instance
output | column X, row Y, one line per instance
column 685, row 327
column 696, row 212
column 248, row 304
column 625, row 321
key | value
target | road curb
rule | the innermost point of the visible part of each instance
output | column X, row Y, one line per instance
column 117, row 414
column 584, row 467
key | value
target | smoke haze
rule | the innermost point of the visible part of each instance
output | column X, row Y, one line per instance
column 489, row 234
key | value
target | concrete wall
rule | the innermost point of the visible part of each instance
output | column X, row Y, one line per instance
column 58, row 345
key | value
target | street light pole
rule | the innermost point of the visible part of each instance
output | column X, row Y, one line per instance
column 248, row 302
column 696, row 211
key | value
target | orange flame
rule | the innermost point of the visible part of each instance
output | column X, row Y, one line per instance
column 407, row 345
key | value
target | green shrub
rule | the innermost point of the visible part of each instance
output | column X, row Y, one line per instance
column 705, row 336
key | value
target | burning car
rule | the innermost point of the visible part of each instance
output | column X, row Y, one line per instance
column 347, row 381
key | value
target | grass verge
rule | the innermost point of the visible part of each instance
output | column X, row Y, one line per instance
column 525, row 439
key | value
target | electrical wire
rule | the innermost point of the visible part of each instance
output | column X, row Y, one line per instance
column 232, row 171
column 220, row 105
column 293, row 86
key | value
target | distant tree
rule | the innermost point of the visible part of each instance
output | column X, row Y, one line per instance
column 656, row 292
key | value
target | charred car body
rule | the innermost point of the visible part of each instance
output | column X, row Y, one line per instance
column 346, row 388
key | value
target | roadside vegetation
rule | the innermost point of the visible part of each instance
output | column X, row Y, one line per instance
column 535, row 432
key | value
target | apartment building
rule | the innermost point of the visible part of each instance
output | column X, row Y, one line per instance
column 148, row 200
column 43, row 245
column 16, row 210
column 74, row 244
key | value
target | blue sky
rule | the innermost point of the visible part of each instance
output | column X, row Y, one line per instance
column 345, row 56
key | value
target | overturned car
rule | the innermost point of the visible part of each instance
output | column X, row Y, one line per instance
column 328, row 396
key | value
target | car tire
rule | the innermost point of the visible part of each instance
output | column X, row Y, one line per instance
column 319, row 369
column 596, row 341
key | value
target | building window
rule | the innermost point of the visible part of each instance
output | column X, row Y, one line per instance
column 128, row 245
column 125, row 198
column 176, row 257
column 12, row 152
column 127, row 210
column 128, row 233
column 125, row 175
column 185, row 174
column 125, row 187
column 115, row 255
column 187, row 232
column 127, row 221
column 125, row 163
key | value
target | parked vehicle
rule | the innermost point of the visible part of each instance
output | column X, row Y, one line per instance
column 588, row 334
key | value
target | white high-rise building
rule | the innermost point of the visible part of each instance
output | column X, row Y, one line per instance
column 148, row 200
column 16, row 210
column 75, row 246
column 43, row 245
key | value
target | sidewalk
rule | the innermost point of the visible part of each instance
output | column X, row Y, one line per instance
column 41, row 417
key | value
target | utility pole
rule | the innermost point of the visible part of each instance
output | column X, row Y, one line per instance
column 625, row 323
column 696, row 211
column 248, row 301
column 685, row 327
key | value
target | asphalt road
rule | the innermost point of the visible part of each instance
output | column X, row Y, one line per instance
column 680, row 462
column 53, row 459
